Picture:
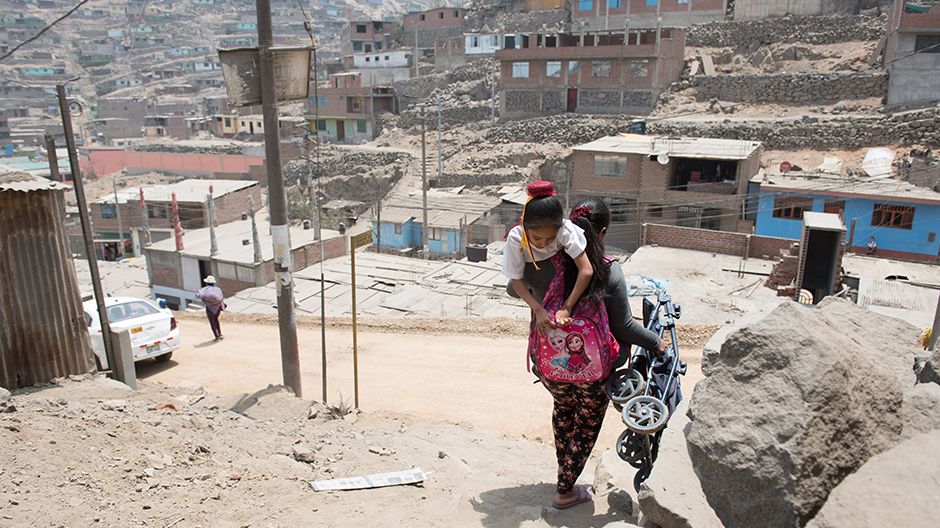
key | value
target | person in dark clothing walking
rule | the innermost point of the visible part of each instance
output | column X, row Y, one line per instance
column 211, row 295
column 579, row 409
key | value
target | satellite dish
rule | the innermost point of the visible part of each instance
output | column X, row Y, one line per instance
column 663, row 159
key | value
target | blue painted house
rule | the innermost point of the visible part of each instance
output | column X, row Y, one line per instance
column 903, row 219
column 455, row 220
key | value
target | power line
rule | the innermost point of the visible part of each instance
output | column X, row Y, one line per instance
column 43, row 30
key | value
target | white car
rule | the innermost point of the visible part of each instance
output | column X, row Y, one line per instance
column 154, row 332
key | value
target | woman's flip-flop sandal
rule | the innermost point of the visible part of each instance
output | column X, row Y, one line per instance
column 584, row 495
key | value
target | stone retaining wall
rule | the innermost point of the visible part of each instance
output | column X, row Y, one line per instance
column 791, row 88
column 807, row 30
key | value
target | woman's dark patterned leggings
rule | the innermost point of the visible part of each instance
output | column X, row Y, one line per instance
column 576, row 419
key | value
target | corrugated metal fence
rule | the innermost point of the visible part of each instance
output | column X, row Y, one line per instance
column 42, row 327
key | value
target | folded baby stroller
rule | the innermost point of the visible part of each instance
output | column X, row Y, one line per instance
column 648, row 390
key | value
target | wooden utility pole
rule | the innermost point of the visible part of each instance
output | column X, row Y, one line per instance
column 86, row 225
column 277, row 201
column 53, row 158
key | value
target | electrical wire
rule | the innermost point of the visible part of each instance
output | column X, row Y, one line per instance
column 43, row 30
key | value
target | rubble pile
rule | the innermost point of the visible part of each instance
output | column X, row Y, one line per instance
column 471, row 79
column 563, row 129
column 918, row 127
column 752, row 34
column 791, row 406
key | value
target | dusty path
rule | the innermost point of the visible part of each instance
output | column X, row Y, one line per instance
column 472, row 380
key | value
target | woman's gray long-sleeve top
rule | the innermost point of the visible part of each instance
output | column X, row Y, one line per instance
column 625, row 329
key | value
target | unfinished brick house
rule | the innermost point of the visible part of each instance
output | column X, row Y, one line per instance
column 424, row 28
column 689, row 182
column 347, row 108
column 367, row 36
column 912, row 53
column 602, row 72
column 230, row 197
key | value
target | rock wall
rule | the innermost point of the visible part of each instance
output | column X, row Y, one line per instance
column 808, row 30
column 791, row 88
column 908, row 128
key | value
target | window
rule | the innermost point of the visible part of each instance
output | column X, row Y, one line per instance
column 361, row 126
column 553, row 69
column 386, row 57
column 896, row 216
column 456, row 13
column 639, row 68
column 475, row 42
column 601, row 68
column 321, row 124
column 378, row 45
column 131, row 310
column 683, row 2
column 440, row 15
column 360, row 28
column 927, row 44
column 834, row 207
column 367, row 59
column 520, row 70
column 494, row 40
column 397, row 229
column 108, row 211
column 157, row 211
column 614, row 4
column 791, row 207
column 437, row 233
column 573, row 68
column 228, row 122
column 931, row 237
column 585, row 5
column 357, row 45
column 665, row 34
column 610, row 166
column 422, row 17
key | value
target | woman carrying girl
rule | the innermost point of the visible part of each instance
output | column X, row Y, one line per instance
column 579, row 408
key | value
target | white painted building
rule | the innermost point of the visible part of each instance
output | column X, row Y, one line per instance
column 400, row 58
column 482, row 43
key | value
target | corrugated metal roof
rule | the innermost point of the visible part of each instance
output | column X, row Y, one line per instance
column 192, row 190
column 680, row 147
column 820, row 183
column 12, row 180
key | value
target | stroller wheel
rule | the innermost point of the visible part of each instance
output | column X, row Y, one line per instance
column 645, row 414
column 641, row 476
column 624, row 385
column 630, row 449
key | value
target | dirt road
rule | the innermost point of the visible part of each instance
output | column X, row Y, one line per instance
column 472, row 380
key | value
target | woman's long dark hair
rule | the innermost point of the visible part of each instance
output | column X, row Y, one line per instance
column 592, row 215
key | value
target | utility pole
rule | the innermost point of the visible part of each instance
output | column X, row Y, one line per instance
column 255, row 241
column 53, row 158
column 277, row 200
column 117, row 211
column 440, row 155
column 424, row 187
column 213, row 242
column 86, row 226
column 144, row 219
column 493, row 92
column 316, row 206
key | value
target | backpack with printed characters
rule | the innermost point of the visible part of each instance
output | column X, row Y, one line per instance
column 580, row 352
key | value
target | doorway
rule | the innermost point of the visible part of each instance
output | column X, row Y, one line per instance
column 205, row 269
column 340, row 130
column 572, row 99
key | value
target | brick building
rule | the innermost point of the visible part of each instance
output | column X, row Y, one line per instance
column 177, row 275
column 427, row 27
column 543, row 74
column 347, row 108
column 614, row 15
column 912, row 53
column 230, row 197
column 689, row 182
column 367, row 36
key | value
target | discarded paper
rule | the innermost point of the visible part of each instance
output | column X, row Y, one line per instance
column 381, row 480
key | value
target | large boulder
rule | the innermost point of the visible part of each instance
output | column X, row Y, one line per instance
column 900, row 487
column 794, row 403
column 672, row 496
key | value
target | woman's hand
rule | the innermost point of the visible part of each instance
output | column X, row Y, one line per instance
column 562, row 317
column 662, row 347
column 542, row 320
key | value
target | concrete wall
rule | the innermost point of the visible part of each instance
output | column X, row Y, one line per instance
column 907, row 243
column 103, row 162
column 639, row 14
column 754, row 9
column 915, row 78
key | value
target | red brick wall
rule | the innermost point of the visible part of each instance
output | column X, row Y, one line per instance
column 723, row 242
column 584, row 179
column 432, row 19
column 166, row 277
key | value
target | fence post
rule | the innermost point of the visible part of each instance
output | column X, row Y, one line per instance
column 123, row 368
